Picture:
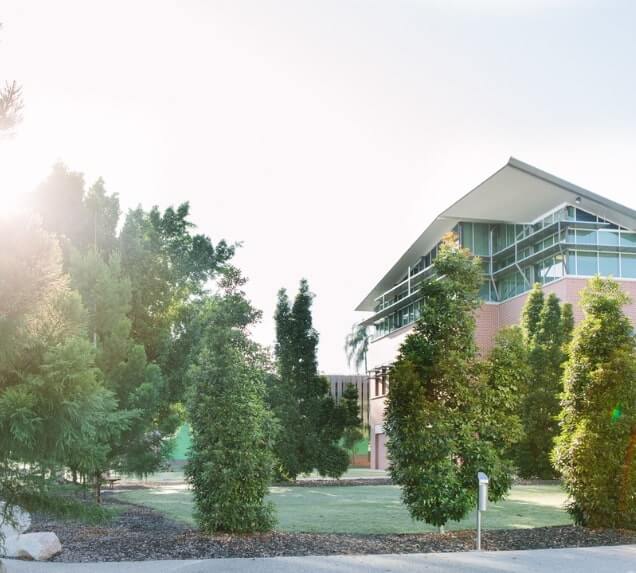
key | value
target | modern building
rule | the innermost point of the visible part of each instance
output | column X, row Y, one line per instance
column 527, row 226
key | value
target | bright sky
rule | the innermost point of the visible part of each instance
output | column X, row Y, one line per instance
column 325, row 135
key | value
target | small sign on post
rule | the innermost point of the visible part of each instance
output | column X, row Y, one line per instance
column 482, row 503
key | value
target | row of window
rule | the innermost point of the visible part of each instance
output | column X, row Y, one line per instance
column 589, row 263
column 398, row 319
column 604, row 237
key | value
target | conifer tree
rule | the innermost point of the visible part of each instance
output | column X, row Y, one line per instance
column 595, row 451
column 438, row 437
column 544, row 333
column 353, row 424
column 311, row 423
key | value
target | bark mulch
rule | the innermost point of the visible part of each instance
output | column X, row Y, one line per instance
column 139, row 533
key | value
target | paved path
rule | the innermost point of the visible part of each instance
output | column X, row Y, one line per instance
column 620, row 559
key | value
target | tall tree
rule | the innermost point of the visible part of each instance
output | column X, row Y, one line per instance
column 230, row 462
column 506, row 375
column 545, row 336
column 312, row 424
column 595, row 451
column 438, row 439
column 52, row 400
column 137, row 384
column 353, row 431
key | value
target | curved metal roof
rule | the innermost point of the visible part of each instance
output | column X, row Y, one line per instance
column 516, row 193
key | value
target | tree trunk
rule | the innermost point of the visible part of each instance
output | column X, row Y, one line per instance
column 98, row 488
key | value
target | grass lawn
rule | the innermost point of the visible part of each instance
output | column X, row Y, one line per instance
column 369, row 509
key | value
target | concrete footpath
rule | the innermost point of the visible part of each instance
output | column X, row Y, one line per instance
column 620, row 559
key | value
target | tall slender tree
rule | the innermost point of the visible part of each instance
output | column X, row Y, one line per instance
column 545, row 335
column 438, row 437
column 596, row 449
column 312, row 424
column 230, row 462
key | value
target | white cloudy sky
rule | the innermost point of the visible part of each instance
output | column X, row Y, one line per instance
column 325, row 135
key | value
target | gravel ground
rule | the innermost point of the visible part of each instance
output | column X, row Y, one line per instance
column 139, row 533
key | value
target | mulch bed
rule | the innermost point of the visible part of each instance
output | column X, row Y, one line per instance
column 139, row 533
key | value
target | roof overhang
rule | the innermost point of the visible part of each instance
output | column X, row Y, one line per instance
column 516, row 193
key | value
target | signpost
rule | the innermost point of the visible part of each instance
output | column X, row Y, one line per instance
column 482, row 503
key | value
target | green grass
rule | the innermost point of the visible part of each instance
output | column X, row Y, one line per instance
column 370, row 509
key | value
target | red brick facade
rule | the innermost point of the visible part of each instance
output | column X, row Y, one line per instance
column 490, row 318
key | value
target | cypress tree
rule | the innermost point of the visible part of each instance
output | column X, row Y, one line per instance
column 596, row 447
column 312, row 424
column 546, row 329
column 532, row 311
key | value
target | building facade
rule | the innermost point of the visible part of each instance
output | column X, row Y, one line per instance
column 527, row 227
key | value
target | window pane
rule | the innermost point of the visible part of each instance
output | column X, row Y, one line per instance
column 628, row 266
column 608, row 264
column 586, row 263
column 467, row 235
column 584, row 216
column 481, row 238
column 571, row 262
column 628, row 239
column 585, row 237
column 608, row 238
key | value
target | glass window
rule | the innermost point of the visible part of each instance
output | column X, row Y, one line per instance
column 585, row 237
column 608, row 238
column 571, row 262
column 586, row 263
column 554, row 268
column 608, row 264
column 481, row 239
column 628, row 239
column 628, row 266
column 571, row 236
column 467, row 235
column 585, row 216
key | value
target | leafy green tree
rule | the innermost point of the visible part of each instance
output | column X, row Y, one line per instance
column 168, row 267
column 595, row 449
column 505, row 378
column 230, row 461
column 532, row 311
column 312, row 424
column 349, row 402
column 567, row 324
column 137, row 384
column 52, row 400
column 545, row 336
column 438, row 439
column 357, row 346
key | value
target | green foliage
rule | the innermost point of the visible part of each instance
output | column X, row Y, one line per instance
column 353, row 423
column 596, row 446
column 52, row 400
column 230, row 461
column 140, row 291
column 312, row 424
column 545, row 336
column 567, row 324
column 440, row 434
column 505, row 378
